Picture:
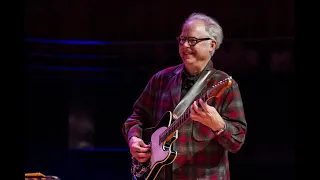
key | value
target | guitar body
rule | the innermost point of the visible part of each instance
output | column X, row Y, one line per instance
column 161, row 152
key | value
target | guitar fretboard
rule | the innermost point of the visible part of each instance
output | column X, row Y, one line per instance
column 179, row 122
column 186, row 115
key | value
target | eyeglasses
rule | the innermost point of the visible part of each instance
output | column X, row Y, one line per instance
column 192, row 41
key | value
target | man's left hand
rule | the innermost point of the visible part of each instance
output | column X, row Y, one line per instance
column 206, row 115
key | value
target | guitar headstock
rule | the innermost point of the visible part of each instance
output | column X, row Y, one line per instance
column 219, row 88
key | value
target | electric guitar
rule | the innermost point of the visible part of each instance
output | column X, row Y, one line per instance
column 162, row 136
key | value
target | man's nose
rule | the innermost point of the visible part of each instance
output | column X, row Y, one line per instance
column 186, row 43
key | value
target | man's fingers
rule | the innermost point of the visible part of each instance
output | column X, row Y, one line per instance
column 142, row 160
column 138, row 153
column 142, row 155
column 146, row 146
column 141, row 143
column 142, row 149
column 195, row 106
column 203, row 105
column 198, row 110
column 192, row 113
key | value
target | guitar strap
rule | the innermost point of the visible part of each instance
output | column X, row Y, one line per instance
column 192, row 93
column 185, row 102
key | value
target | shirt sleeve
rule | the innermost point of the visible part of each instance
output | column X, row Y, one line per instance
column 142, row 113
column 233, row 137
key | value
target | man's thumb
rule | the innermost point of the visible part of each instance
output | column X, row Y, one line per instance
column 141, row 143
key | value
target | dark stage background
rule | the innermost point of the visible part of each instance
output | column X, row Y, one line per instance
column 87, row 61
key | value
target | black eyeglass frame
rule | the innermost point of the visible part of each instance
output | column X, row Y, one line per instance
column 191, row 40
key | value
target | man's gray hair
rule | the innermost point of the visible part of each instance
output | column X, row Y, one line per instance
column 212, row 26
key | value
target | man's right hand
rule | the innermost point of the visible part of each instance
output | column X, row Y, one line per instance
column 139, row 149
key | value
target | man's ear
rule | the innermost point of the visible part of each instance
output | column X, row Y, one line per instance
column 213, row 45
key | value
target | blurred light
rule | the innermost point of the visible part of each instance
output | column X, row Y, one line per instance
column 77, row 56
column 61, row 68
column 75, row 42
column 102, row 149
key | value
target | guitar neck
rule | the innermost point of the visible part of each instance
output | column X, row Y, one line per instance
column 179, row 122
column 216, row 91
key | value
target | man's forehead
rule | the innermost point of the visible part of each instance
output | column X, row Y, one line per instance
column 197, row 22
column 194, row 26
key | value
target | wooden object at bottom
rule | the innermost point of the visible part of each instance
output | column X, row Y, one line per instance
column 39, row 176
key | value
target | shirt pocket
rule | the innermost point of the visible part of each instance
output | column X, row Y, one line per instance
column 201, row 132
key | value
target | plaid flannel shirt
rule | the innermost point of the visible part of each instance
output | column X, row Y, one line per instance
column 202, row 154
